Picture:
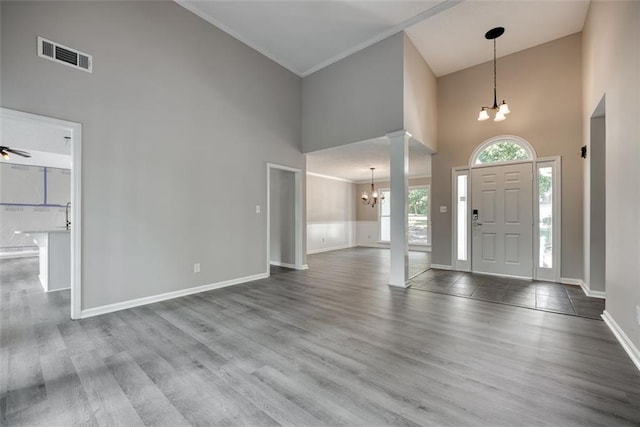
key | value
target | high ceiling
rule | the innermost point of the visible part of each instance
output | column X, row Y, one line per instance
column 305, row 36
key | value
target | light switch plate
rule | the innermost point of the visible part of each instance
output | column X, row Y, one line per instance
column 443, row 209
column 196, row 267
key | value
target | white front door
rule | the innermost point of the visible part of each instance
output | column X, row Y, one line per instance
column 502, row 239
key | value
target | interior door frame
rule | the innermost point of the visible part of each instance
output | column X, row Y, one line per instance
column 298, row 224
column 538, row 273
column 75, row 130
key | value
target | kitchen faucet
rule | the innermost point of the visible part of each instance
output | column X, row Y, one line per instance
column 67, row 207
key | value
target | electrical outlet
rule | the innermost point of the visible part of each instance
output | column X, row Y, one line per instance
column 638, row 314
column 323, row 240
column 196, row 267
column 257, row 209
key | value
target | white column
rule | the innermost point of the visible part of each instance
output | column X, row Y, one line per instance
column 399, row 171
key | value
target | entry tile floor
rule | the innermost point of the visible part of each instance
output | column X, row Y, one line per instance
column 545, row 296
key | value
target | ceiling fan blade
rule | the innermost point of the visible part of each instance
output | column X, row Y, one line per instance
column 16, row 152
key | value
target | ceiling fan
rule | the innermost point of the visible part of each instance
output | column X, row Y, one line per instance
column 4, row 152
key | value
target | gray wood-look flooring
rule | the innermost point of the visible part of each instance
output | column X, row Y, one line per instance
column 333, row 345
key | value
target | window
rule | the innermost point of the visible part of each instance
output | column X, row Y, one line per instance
column 547, row 242
column 460, row 207
column 545, row 217
column 385, row 216
column 461, row 213
column 502, row 149
column 418, row 216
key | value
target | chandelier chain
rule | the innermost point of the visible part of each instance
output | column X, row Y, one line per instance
column 495, row 84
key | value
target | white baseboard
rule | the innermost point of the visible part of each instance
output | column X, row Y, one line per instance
column 372, row 245
column 412, row 248
column 110, row 308
column 282, row 264
column 293, row 266
column 333, row 248
column 441, row 266
column 20, row 254
column 624, row 340
column 57, row 290
column 578, row 282
column 590, row 293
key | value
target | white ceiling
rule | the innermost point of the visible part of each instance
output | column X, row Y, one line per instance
column 45, row 142
column 305, row 36
column 352, row 161
column 41, row 158
column 454, row 39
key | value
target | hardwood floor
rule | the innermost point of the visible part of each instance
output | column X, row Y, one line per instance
column 330, row 345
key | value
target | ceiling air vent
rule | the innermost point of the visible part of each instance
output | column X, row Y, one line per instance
column 64, row 55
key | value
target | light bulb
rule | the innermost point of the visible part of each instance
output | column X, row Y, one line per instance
column 504, row 108
column 484, row 115
column 499, row 117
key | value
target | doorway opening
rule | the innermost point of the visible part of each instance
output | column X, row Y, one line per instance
column 49, row 209
column 506, row 211
column 284, row 218
column 597, row 201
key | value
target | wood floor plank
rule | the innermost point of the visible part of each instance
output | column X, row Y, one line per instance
column 68, row 402
column 278, row 407
column 109, row 403
column 150, row 403
column 332, row 345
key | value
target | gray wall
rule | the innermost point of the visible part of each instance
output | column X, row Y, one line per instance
column 355, row 99
column 174, row 112
column 330, row 214
column 611, row 63
column 543, row 88
column 420, row 98
column 282, row 217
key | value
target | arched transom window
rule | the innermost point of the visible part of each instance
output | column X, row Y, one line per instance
column 502, row 149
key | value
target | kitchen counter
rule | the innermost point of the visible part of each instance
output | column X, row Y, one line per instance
column 54, row 248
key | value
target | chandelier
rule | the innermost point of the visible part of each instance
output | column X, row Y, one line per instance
column 502, row 109
column 371, row 198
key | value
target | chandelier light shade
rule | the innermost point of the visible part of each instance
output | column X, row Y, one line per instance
column 372, row 197
column 503, row 109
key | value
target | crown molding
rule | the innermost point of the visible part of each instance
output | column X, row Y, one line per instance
column 335, row 178
column 438, row 8
column 379, row 180
column 213, row 21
